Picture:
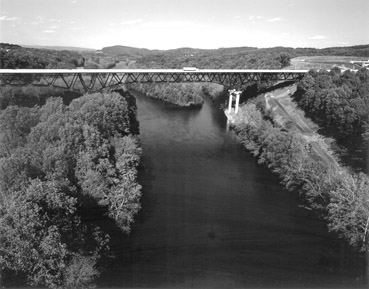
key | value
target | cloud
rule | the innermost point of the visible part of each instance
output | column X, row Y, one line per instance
column 237, row 17
column 252, row 18
column 173, row 24
column 77, row 28
column 41, row 38
column 39, row 20
column 318, row 37
column 48, row 31
column 7, row 18
column 132, row 22
column 275, row 19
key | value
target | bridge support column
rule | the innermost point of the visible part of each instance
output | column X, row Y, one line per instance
column 230, row 101
column 237, row 101
column 233, row 93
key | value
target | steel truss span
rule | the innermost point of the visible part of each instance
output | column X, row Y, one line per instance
column 96, row 79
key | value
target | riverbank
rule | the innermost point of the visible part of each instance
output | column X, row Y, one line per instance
column 277, row 133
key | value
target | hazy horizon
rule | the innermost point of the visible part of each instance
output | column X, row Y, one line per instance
column 89, row 48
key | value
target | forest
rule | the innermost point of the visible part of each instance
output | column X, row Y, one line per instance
column 58, row 163
column 14, row 56
column 333, row 192
column 339, row 103
column 181, row 94
column 227, row 58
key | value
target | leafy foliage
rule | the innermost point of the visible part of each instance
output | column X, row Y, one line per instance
column 339, row 103
column 55, row 158
column 20, row 57
column 182, row 94
column 29, row 96
column 336, row 194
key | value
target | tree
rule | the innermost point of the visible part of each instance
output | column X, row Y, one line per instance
column 284, row 59
column 348, row 211
column 15, row 125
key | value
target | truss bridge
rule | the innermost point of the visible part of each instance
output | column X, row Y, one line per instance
column 89, row 80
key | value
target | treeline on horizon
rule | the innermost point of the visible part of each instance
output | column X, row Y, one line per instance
column 15, row 56
column 231, row 58
column 60, row 164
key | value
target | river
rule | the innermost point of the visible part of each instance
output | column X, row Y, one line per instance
column 211, row 217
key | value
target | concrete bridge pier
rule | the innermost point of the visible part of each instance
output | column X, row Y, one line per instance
column 234, row 94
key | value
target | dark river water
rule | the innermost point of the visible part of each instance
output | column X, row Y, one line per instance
column 211, row 217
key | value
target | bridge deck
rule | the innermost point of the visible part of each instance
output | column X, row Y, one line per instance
column 102, row 71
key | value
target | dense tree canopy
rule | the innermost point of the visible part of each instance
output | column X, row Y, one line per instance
column 55, row 160
column 184, row 95
column 336, row 194
column 13, row 56
column 338, row 102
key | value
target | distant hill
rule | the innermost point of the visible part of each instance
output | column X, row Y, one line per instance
column 358, row 50
column 127, row 50
column 230, row 58
column 59, row 48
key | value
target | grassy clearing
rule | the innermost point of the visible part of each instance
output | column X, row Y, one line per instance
column 323, row 62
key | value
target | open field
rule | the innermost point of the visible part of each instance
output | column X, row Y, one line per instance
column 324, row 62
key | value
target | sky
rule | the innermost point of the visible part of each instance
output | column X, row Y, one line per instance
column 167, row 24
